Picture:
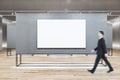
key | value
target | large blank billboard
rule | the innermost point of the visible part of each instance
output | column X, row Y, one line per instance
column 61, row 33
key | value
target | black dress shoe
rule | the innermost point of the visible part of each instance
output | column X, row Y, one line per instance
column 91, row 71
column 110, row 71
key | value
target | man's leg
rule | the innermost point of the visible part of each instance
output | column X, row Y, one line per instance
column 101, row 62
column 108, row 63
column 95, row 64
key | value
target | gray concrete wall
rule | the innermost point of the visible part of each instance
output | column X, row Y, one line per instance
column 110, row 35
column 26, row 36
column 11, row 35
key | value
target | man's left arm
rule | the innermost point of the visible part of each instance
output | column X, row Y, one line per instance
column 104, row 46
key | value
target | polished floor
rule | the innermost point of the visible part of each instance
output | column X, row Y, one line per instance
column 75, row 71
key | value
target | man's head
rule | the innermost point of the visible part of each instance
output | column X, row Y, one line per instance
column 100, row 34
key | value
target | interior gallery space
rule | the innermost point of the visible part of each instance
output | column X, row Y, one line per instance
column 59, row 39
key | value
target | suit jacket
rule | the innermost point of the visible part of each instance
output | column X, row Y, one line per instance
column 101, row 47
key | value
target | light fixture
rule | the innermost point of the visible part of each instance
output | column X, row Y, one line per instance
column 68, row 1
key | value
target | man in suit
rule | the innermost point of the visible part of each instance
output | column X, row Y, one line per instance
column 101, row 51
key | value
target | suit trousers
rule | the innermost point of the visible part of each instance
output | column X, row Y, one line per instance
column 98, row 59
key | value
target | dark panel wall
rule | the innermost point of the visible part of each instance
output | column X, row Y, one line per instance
column 4, row 35
column 1, row 33
column 26, row 36
column 116, row 33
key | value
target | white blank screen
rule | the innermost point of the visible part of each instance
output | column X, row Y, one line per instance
column 61, row 33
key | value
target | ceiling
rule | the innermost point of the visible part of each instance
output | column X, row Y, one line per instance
column 56, row 5
column 9, row 7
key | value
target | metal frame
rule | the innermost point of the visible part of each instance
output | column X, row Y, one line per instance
column 18, row 59
column 19, row 55
column 9, row 51
column 110, row 52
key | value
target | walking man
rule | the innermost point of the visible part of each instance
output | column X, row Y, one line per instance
column 101, row 51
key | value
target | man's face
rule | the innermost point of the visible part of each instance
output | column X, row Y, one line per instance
column 99, row 34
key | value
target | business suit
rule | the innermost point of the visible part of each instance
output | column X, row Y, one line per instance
column 101, row 50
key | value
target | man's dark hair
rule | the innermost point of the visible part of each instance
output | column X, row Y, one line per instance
column 101, row 32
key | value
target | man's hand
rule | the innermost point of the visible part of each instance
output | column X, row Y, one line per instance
column 92, row 51
column 106, row 54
